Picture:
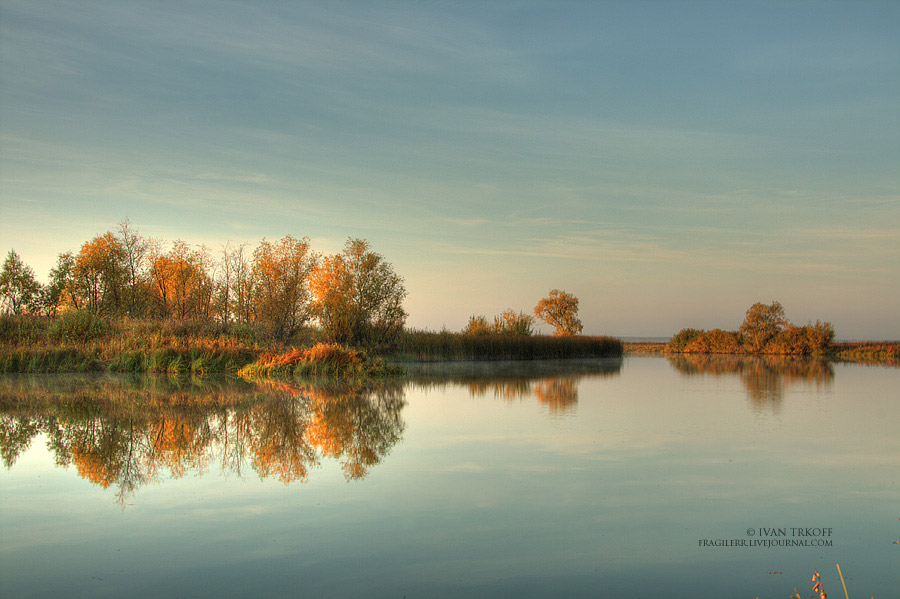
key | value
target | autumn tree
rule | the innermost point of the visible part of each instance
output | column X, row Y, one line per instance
column 281, row 299
column 761, row 324
column 357, row 296
column 20, row 293
column 560, row 310
column 99, row 275
column 180, row 282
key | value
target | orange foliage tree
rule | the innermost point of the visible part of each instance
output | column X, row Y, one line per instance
column 560, row 310
column 180, row 283
column 357, row 296
column 281, row 299
column 99, row 275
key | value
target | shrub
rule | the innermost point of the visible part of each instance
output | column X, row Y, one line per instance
column 682, row 338
column 78, row 326
column 716, row 341
column 22, row 329
column 478, row 325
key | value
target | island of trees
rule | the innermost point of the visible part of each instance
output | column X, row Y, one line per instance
column 767, row 331
column 132, row 303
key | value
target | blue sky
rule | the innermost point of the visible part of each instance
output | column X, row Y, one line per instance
column 670, row 163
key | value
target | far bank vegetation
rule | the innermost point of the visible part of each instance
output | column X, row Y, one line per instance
column 765, row 330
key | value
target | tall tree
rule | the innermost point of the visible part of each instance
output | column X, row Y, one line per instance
column 357, row 296
column 19, row 290
column 180, row 282
column 280, row 292
column 134, row 251
column 560, row 310
column 761, row 324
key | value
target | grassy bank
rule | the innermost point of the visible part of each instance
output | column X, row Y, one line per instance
column 321, row 360
column 82, row 342
column 85, row 343
column 426, row 346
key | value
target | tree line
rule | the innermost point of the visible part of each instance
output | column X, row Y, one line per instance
column 282, row 286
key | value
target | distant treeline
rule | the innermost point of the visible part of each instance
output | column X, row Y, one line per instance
column 765, row 330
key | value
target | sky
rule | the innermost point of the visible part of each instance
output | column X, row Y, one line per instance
column 669, row 163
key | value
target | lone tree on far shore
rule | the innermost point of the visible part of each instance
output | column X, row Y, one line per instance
column 560, row 309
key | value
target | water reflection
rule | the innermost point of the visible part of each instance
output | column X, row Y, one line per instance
column 553, row 383
column 125, row 432
column 766, row 378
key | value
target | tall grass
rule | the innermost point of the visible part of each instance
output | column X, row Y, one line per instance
column 426, row 346
column 84, row 342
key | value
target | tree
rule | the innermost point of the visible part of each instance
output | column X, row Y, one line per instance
column 180, row 283
column 761, row 324
column 58, row 293
column 357, row 296
column 99, row 275
column 280, row 294
column 20, row 293
column 560, row 310
column 134, row 250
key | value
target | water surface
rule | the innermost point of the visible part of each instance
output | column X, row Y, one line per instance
column 637, row 478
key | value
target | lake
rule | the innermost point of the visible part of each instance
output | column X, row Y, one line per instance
column 642, row 477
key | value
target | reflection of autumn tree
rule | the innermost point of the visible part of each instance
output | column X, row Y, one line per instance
column 104, row 451
column 179, row 442
column 277, row 440
column 360, row 427
column 128, row 432
column 553, row 383
column 765, row 377
column 559, row 393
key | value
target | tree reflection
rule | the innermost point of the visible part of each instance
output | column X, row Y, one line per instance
column 765, row 378
column 128, row 432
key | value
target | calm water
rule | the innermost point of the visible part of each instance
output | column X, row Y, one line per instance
column 609, row 479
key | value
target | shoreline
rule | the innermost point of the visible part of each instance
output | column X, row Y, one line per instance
column 885, row 353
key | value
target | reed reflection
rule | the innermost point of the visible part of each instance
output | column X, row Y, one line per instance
column 553, row 383
column 766, row 378
column 128, row 432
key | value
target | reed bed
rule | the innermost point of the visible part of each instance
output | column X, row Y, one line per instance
column 885, row 352
column 426, row 346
